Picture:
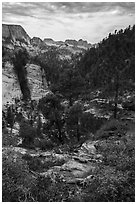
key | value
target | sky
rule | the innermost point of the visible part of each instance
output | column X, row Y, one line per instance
column 91, row 21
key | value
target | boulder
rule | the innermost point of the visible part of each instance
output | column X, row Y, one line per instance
column 88, row 148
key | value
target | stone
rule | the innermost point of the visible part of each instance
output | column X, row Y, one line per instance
column 88, row 148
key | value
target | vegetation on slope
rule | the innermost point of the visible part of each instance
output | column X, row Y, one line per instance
column 83, row 88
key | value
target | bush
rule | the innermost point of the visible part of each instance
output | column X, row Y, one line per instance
column 27, row 133
column 41, row 165
column 16, row 179
column 114, row 179
column 55, row 190
column 110, row 185
column 111, row 128
column 9, row 139
column 89, row 123
column 46, row 144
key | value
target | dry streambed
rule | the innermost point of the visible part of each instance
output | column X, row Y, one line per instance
column 72, row 167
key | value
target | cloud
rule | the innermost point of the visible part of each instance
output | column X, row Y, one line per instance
column 29, row 8
column 61, row 20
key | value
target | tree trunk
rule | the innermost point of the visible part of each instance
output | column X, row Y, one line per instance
column 78, row 133
column 116, row 97
column 78, row 129
column 59, row 129
column 70, row 101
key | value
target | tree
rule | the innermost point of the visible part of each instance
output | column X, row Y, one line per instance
column 39, row 125
column 27, row 133
column 50, row 65
column 70, row 84
column 52, row 110
column 110, row 67
column 19, row 61
column 10, row 118
column 73, row 120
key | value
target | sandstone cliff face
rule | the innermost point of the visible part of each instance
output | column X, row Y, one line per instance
column 16, row 35
column 71, row 42
column 36, row 41
column 84, row 43
column 11, row 88
column 80, row 43
column 13, row 33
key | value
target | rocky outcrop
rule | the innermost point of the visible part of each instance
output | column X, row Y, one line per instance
column 84, row 43
column 71, row 42
column 80, row 43
column 10, row 86
column 36, row 41
column 48, row 40
column 14, row 33
column 73, row 168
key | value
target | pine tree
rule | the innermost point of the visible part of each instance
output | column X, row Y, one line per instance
column 52, row 110
column 19, row 61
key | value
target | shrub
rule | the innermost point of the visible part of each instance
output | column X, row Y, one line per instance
column 46, row 144
column 27, row 133
column 16, row 179
column 89, row 123
column 9, row 139
column 114, row 179
column 111, row 128
column 55, row 190
column 110, row 185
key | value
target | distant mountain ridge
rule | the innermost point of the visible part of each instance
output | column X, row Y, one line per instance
column 16, row 35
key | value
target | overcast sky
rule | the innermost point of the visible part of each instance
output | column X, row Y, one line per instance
column 69, row 20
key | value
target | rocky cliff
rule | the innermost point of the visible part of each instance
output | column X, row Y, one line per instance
column 14, row 34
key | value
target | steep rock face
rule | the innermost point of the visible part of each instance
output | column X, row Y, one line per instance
column 11, row 88
column 16, row 35
column 80, row 43
column 48, row 40
column 71, row 42
column 36, row 41
column 84, row 43
column 13, row 33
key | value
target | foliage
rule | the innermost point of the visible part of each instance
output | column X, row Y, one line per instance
column 19, row 61
column 105, row 67
column 50, row 63
column 52, row 110
column 110, row 185
column 73, row 121
column 45, row 143
column 70, row 83
column 10, row 117
column 40, row 165
column 111, row 128
column 16, row 179
column 117, row 51
column 9, row 139
column 114, row 179
column 54, row 189
column 27, row 133
column 90, row 123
